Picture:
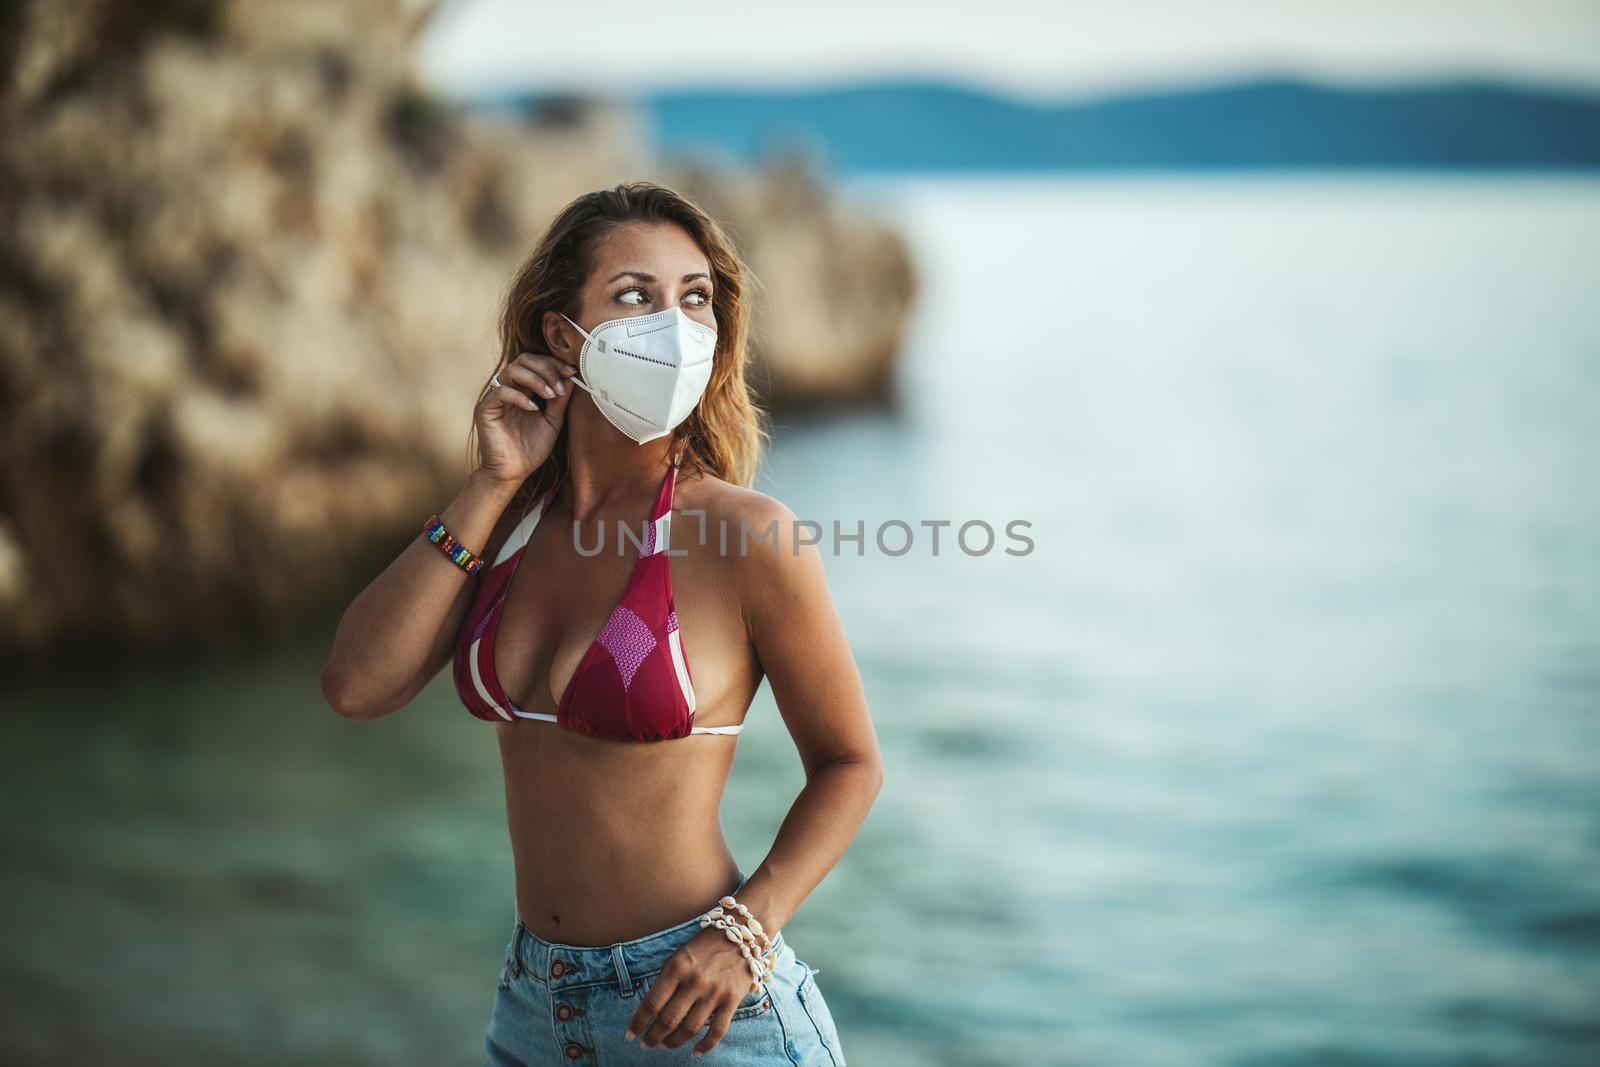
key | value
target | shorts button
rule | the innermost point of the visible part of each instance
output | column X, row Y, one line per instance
column 563, row 1012
column 557, row 968
column 573, row 1050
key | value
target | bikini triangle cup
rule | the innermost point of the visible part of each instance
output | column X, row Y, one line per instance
column 633, row 682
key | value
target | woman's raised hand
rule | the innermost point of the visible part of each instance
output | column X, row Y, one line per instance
column 516, row 433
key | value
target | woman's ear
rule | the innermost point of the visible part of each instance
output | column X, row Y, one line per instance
column 558, row 337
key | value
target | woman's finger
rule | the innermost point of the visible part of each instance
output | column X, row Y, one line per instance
column 555, row 363
column 517, row 383
column 650, row 1002
column 719, row 1026
column 672, row 1015
column 511, row 396
column 546, row 364
column 693, row 1021
column 543, row 380
column 554, row 409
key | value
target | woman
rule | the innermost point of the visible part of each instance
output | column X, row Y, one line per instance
column 619, row 677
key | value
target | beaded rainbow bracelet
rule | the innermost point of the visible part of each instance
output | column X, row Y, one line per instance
column 457, row 553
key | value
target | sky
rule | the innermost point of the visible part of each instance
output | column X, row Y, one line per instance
column 1053, row 50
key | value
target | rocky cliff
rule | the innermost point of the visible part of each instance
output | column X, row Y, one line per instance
column 248, row 277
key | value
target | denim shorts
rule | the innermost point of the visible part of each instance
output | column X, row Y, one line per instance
column 570, row 1004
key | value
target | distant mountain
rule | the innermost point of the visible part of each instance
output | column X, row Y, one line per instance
column 1266, row 124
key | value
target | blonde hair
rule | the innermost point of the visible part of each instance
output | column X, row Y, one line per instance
column 726, row 434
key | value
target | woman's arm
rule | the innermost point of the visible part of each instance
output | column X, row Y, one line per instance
column 790, row 617
column 396, row 635
column 794, row 625
column 402, row 628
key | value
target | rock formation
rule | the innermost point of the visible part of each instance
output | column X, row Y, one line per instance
column 248, row 280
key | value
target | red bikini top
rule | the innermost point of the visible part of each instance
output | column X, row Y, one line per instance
column 634, row 682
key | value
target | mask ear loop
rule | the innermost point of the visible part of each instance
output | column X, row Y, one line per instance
column 587, row 336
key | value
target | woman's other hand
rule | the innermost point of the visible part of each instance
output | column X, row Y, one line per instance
column 707, row 974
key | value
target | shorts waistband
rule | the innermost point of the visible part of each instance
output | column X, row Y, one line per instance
column 626, row 964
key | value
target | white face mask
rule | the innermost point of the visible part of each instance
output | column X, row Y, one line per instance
column 646, row 373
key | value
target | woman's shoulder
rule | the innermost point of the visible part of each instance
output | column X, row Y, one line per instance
column 772, row 555
column 738, row 515
column 726, row 500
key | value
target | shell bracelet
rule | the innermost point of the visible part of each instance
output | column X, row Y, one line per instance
column 748, row 934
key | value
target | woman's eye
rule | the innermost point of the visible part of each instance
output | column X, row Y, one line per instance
column 627, row 296
column 698, row 297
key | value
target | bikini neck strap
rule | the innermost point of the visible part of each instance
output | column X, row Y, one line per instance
column 669, row 486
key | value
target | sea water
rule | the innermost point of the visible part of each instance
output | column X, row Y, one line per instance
column 1278, row 746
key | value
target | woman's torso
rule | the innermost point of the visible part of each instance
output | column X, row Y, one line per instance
column 616, row 839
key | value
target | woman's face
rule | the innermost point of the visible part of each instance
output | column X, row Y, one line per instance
column 644, row 268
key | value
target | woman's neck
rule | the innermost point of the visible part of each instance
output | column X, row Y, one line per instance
column 605, row 466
